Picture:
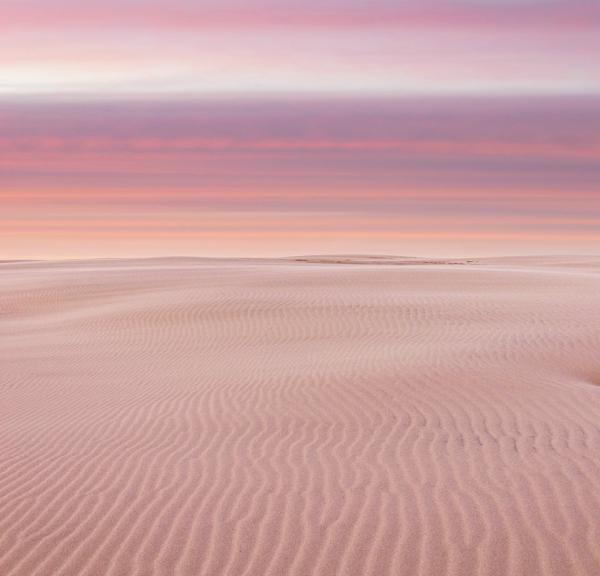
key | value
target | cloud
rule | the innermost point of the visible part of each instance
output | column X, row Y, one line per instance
column 182, row 14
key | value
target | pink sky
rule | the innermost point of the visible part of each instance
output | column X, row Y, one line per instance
column 267, row 128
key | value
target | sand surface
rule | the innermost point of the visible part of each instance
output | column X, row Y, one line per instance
column 308, row 416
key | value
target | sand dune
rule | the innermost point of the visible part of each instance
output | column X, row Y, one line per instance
column 372, row 260
column 316, row 417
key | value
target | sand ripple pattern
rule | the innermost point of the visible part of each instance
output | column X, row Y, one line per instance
column 190, row 417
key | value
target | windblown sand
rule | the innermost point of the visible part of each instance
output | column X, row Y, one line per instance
column 318, row 416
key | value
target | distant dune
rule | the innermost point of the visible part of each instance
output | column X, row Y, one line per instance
column 186, row 417
column 364, row 259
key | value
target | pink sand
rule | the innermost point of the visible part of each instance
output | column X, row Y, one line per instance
column 330, row 416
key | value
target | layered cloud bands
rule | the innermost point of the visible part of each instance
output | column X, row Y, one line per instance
column 276, row 126
column 255, row 46
column 273, row 176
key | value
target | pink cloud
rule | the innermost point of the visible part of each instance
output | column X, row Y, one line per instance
column 576, row 14
column 251, row 174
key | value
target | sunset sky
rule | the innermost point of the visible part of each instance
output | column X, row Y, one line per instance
column 263, row 127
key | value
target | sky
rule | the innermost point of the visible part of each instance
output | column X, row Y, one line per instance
column 268, row 128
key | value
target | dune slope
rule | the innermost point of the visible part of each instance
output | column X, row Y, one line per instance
column 267, row 418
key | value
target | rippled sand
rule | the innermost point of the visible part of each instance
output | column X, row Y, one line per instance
column 310, row 416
